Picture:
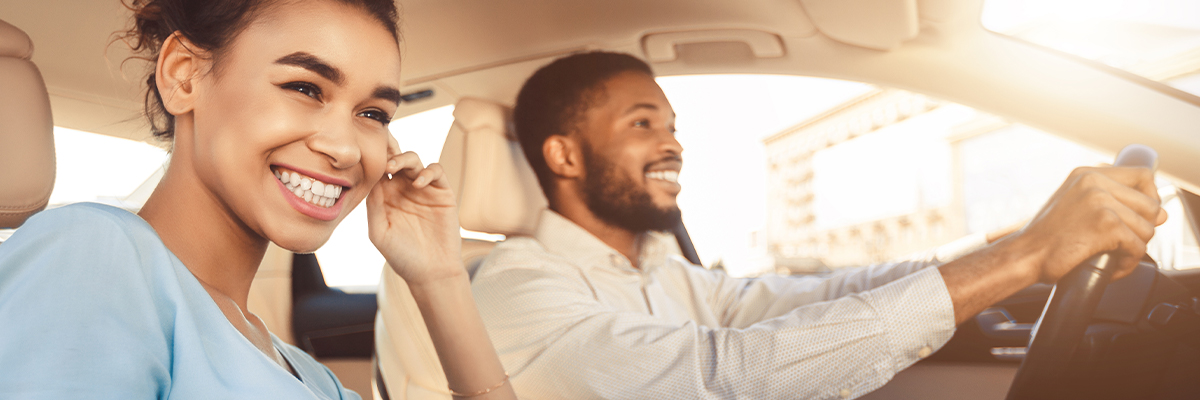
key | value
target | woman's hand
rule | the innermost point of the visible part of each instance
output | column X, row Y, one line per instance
column 413, row 221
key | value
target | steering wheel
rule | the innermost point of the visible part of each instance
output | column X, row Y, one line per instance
column 1067, row 315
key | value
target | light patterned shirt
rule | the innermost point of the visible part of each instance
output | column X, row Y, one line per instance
column 572, row 319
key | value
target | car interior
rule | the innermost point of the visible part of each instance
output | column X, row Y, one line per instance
column 1142, row 340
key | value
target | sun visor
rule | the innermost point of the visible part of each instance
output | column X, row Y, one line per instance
column 873, row 24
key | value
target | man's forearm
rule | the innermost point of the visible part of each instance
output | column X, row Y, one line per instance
column 998, row 234
column 980, row 279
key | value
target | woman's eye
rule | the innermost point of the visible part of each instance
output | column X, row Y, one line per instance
column 305, row 88
column 377, row 115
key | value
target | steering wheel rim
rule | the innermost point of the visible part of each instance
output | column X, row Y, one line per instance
column 1060, row 329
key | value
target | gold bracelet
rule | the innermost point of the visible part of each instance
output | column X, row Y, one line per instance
column 481, row 392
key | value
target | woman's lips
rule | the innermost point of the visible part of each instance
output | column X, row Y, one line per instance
column 310, row 196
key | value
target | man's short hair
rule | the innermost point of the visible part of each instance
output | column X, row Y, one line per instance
column 556, row 96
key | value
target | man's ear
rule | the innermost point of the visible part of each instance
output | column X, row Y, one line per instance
column 178, row 67
column 563, row 156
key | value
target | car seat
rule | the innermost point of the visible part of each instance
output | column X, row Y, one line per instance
column 497, row 193
column 26, row 131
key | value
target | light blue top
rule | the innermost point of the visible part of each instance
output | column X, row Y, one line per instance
column 94, row 306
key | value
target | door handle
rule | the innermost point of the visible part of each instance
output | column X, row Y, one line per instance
column 997, row 323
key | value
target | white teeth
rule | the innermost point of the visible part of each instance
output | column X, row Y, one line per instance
column 313, row 191
column 669, row 176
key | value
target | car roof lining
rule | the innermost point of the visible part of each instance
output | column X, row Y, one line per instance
column 498, row 44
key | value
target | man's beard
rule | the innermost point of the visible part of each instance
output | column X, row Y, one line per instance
column 618, row 200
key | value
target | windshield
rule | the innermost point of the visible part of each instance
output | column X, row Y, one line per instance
column 1157, row 39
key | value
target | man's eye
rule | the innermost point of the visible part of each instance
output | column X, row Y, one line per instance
column 377, row 115
column 642, row 123
column 305, row 88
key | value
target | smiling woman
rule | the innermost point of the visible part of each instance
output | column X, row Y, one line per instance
column 277, row 114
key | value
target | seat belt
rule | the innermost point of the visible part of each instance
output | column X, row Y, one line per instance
column 685, row 243
column 379, row 384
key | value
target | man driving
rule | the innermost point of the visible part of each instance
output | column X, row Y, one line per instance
column 594, row 305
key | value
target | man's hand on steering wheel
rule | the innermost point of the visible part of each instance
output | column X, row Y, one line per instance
column 1097, row 210
column 1102, row 209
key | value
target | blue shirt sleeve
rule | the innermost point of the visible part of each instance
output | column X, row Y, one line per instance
column 79, row 313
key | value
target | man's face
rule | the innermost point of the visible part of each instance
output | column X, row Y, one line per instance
column 630, row 154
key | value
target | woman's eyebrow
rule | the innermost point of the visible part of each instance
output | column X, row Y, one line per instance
column 314, row 64
column 387, row 93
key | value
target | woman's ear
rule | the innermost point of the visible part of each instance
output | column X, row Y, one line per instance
column 178, row 67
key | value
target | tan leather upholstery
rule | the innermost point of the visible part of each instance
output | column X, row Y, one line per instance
column 497, row 193
column 497, row 190
column 270, row 297
column 26, row 131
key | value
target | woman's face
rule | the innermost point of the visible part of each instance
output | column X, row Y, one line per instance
column 290, row 129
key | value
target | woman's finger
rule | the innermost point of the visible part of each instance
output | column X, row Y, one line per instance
column 432, row 175
column 393, row 147
column 407, row 164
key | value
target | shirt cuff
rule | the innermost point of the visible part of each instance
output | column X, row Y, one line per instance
column 918, row 316
column 961, row 247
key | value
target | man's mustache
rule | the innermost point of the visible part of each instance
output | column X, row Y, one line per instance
column 674, row 162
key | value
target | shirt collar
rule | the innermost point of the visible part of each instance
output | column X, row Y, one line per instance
column 565, row 238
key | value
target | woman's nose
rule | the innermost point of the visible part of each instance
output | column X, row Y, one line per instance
column 337, row 143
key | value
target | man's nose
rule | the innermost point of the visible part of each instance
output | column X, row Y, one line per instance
column 671, row 144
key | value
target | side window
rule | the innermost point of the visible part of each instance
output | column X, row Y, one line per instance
column 349, row 260
column 104, row 169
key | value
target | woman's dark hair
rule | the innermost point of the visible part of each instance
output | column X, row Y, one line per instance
column 210, row 25
column 552, row 100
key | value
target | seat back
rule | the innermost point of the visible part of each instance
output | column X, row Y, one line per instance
column 26, row 131
column 497, row 193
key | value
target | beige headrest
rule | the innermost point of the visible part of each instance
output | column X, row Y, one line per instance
column 26, row 131
column 14, row 42
column 497, row 190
